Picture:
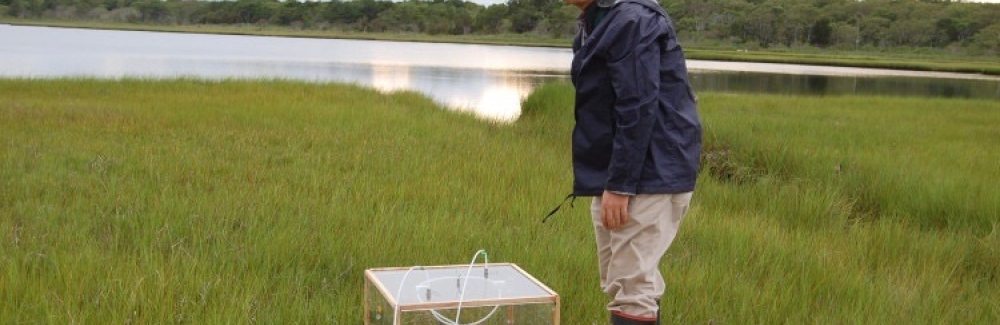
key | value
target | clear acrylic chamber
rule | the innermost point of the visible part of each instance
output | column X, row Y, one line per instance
column 478, row 294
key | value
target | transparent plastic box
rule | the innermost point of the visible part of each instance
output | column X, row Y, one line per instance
column 480, row 294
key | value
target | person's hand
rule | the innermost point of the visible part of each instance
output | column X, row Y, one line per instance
column 614, row 210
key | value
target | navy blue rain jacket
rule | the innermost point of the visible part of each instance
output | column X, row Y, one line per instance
column 637, row 127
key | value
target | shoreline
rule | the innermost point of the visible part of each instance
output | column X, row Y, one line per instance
column 823, row 70
column 942, row 66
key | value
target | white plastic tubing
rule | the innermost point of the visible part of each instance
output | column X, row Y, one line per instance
column 458, row 313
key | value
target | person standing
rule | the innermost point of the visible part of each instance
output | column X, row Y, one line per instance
column 636, row 145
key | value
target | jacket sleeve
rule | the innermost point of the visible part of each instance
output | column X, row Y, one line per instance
column 634, row 67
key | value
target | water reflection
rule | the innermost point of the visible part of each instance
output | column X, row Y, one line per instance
column 390, row 78
column 490, row 81
column 816, row 85
column 491, row 94
column 496, row 102
column 501, row 98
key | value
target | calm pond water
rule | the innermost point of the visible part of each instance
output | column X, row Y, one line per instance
column 489, row 80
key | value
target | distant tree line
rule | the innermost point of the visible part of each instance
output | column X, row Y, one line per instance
column 843, row 24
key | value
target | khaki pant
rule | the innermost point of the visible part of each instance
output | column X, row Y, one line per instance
column 629, row 257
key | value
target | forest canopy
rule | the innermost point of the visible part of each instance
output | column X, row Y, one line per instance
column 843, row 24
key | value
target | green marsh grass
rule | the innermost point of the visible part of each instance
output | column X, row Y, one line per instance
column 262, row 202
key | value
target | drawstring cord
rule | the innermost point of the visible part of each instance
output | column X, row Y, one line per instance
column 571, row 195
